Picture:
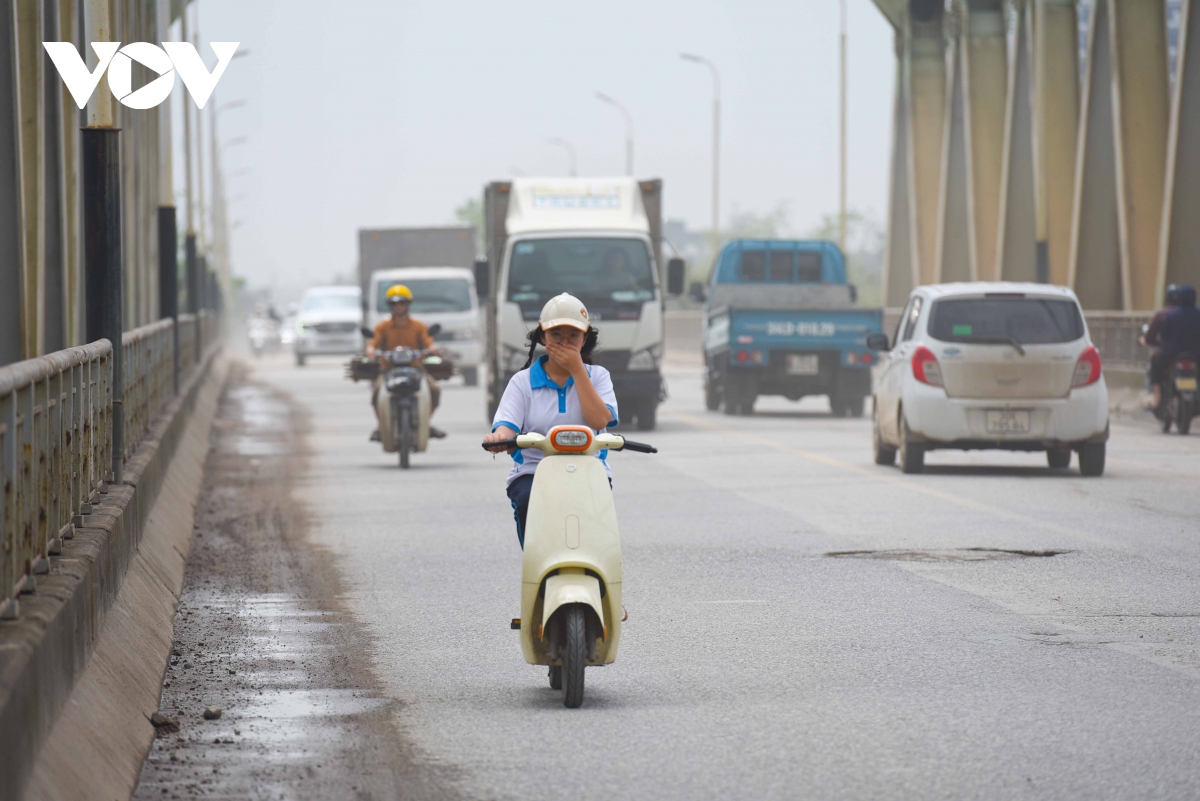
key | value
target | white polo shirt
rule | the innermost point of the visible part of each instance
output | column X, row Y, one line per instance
column 533, row 403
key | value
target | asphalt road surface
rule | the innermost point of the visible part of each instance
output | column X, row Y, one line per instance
column 803, row 623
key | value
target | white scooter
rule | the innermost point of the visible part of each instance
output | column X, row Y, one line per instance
column 571, row 570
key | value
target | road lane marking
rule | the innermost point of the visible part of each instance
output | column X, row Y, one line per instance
column 909, row 485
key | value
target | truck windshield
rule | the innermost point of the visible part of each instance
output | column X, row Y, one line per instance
column 429, row 294
column 1029, row 321
column 611, row 276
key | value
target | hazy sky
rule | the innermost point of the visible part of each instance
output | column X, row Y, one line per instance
column 381, row 113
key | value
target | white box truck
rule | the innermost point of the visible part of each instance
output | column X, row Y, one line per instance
column 599, row 239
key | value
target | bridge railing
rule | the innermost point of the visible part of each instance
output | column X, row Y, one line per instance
column 56, row 437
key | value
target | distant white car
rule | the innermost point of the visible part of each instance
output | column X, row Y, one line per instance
column 328, row 322
column 990, row 366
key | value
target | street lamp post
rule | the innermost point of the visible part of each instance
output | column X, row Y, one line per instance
column 558, row 140
column 842, row 134
column 628, row 130
column 716, row 147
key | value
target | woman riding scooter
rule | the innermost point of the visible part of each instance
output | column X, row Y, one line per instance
column 562, row 387
column 552, row 418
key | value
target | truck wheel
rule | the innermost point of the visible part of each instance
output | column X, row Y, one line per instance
column 854, row 406
column 730, row 399
column 884, row 454
column 1091, row 459
column 300, row 359
column 647, row 416
column 712, row 397
column 470, row 376
column 746, row 407
column 574, row 655
column 912, row 455
column 837, row 406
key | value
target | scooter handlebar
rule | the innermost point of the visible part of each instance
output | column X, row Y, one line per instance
column 640, row 447
column 504, row 443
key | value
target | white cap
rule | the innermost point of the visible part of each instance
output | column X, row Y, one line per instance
column 564, row 309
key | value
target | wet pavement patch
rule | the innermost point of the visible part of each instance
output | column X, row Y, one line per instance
column 267, row 694
column 945, row 554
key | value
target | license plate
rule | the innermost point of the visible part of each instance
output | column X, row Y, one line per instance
column 1185, row 384
column 1007, row 421
column 803, row 364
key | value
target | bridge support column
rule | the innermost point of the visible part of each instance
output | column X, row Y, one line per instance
column 1056, row 128
column 953, row 260
column 984, row 64
column 1018, row 257
column 925, row 54
column 1095, row 260
column 1139, row 48
column 1179, row 249
column 900, row 259
column 101, row 159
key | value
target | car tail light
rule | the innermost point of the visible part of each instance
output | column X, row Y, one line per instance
column 1087, row 369
column 743, row 356
column 926, row 368
column 1187, row 364
column 866, row 358
column 571, row 438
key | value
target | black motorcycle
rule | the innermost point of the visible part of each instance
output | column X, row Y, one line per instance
column 1179, row 396
column 406, row 416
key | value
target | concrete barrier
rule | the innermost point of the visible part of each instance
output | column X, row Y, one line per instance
column 45, row 651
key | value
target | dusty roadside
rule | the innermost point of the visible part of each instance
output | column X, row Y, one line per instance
column 263, row 636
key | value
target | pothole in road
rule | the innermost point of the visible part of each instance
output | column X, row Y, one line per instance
column 944, row 554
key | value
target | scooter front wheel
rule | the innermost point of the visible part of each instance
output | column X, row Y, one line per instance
column 574, row 655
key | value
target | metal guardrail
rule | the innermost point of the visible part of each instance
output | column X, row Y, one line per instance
column 56, row 437
column 1114, row 333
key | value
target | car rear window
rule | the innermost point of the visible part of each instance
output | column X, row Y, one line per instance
column 1030, row 321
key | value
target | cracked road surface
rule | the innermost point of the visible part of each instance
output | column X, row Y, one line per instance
column 755, row 664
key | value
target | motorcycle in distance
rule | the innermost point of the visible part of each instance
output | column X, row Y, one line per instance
column 404, row 405
column 1179, row 395
column 263, row 335
column 571, row 566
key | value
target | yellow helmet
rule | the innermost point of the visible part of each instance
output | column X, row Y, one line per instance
column 398, row 292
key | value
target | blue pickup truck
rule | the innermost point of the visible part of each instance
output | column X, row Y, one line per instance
column 780, row 319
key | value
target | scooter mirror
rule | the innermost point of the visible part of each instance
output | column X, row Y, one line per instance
column 366, row 332
column 435, row 329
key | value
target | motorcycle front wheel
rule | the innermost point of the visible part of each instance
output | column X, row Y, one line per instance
column 574, row 655
column 405, row 438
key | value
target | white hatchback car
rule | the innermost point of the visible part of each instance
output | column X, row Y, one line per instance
column 990, row 365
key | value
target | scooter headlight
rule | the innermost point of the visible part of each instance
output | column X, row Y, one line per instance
column 571, row 438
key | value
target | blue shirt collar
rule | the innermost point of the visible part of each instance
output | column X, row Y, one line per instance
column 539, row 380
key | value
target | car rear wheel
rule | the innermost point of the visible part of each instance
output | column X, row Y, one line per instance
column 884, row 454
column 1059, row 458
column 470, row 376
column 300, row 358
column 912, row 455
column 1091, row 459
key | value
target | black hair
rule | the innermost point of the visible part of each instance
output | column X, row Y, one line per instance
column 538, row 337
